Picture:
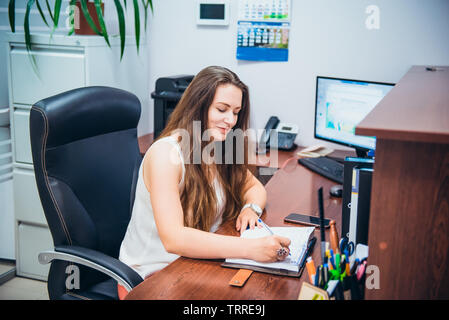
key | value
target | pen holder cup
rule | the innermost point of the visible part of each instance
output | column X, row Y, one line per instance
column 348, row 289
column 338, row 293
column 353, row 289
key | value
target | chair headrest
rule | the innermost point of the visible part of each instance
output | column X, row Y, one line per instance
column 87, row 112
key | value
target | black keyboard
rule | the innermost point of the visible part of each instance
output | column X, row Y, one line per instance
column 326, row 167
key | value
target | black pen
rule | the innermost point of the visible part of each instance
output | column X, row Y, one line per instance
column 321, row 209
column 354, row 266
column 325, row 274
column 317, row 276
column 322, row 279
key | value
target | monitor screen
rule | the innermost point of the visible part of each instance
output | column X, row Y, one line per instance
column 340, row 106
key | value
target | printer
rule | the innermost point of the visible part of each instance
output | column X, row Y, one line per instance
column 166, row 96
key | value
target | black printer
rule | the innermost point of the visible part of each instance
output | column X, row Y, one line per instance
column 166, row 96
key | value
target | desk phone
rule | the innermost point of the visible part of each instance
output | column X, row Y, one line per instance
column 286, row 133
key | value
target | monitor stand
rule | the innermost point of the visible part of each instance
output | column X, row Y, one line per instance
column 362, row 153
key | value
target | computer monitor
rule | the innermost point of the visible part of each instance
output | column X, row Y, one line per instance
column 340, row 105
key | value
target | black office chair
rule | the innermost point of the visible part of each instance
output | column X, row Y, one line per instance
column 86, row 161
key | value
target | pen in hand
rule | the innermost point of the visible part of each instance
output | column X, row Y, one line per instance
column 265, row 226
column 281, row 252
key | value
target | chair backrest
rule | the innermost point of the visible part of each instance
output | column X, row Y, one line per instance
column 86, row 159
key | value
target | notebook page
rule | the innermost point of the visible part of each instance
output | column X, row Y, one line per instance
column 299, row 237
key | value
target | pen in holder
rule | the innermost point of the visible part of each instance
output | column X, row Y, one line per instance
column 334, row 274
column 341, row 283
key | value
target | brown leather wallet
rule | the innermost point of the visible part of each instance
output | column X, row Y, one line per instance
column 239, row 279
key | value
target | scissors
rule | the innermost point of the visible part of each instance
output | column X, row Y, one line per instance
column 346, row 246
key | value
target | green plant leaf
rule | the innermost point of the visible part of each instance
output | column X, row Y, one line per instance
column 151, row 5
column 122, row 26
column 57, row 13
column 12, row 14
column 137, row 23
column 101, row 21
column 145, row 7
column 41, row 13
column 147, row 3
column 88, row 17
column 50, row 12
column 26, row 27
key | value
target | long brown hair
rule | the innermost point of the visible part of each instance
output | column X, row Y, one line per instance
column 198, row 197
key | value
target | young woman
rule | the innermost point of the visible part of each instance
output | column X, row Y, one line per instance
column 181, row 201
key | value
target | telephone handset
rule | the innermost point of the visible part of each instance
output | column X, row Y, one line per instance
column 271, row 124
column 286, row 134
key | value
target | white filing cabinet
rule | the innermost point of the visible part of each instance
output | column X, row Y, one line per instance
column 63, row 63
column 7, row 246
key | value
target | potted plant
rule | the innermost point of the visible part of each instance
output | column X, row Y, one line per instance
column 82, row 7
column 80, row 23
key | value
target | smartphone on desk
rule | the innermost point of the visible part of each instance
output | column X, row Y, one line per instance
column 306, row 219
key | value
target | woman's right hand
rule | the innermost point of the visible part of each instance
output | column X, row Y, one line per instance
column 266, row 249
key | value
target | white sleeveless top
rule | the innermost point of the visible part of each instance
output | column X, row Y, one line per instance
column 142, row 248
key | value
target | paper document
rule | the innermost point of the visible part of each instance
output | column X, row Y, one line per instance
column 299, row 237
column 315, row 152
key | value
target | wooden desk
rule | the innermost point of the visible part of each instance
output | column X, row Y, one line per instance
column 292, row 189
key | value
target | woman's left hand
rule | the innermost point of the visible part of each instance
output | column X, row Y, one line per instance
column 247, row 218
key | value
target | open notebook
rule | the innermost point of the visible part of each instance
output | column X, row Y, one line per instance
column 299, row 237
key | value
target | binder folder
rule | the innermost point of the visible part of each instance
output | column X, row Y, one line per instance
column 349, row 164
column 360, row 205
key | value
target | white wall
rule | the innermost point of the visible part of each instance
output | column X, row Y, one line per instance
column 327, row 37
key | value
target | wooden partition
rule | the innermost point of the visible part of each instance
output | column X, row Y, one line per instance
column 409, row 215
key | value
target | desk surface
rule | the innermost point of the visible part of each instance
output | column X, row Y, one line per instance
column 292, row 189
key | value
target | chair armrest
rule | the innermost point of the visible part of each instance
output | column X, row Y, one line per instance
column 114, row 268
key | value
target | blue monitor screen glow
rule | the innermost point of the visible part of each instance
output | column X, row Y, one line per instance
column 340, row 106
